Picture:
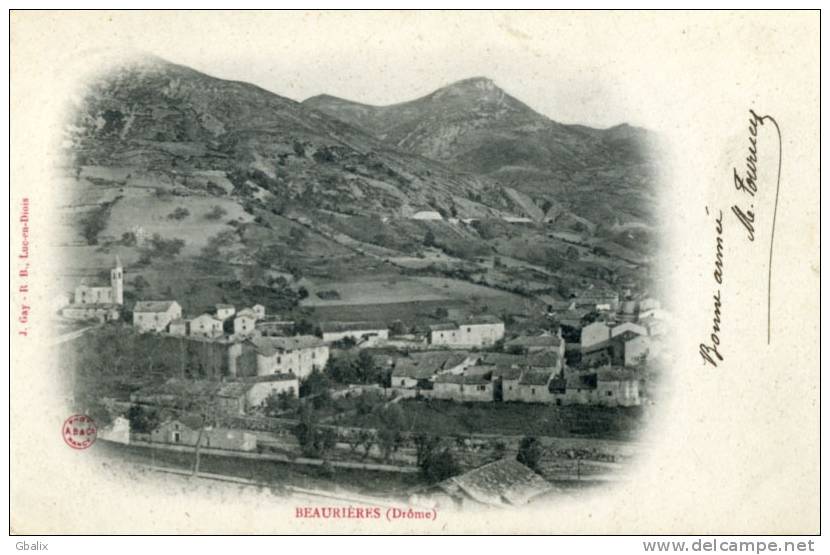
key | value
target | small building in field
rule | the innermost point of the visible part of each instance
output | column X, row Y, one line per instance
column 178, row 327
column 205, row 325
column 298, row 355
column 477, row 331
column 185, row 431
column 155, row 315
column 363, row 333
column 225, row 311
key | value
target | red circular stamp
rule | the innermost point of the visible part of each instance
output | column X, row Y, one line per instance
column 79, row 431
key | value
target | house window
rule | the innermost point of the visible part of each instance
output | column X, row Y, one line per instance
column 403, row 382
column 533, row 391
column 469, row 330
column 177, row 437
column 482, row 388
column 510, row 387
column 609, row 393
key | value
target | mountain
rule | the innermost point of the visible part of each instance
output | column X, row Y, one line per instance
column 476, row 127
column 172, row 120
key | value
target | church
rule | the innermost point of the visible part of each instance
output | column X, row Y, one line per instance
column 98, row 302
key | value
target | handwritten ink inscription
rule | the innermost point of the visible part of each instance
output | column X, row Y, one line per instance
column 747, row 184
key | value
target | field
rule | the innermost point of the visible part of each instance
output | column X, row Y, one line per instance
column 395, row 288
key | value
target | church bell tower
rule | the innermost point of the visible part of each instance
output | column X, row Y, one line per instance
column 117, row 282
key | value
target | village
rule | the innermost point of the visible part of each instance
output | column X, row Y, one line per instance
column 247, row 384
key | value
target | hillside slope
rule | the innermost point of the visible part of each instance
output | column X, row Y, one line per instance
column 476, row 127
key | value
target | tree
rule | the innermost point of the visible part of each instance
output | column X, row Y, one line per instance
column 429, row 239
column 216, row 212
column 314, row 440
column 397, row 328
column 142, row 421
column 179, row 214
column 277, row 403
column 439, row 466
column 316, row 387
column 530, row 452
column 129, row 239
column 390, row 436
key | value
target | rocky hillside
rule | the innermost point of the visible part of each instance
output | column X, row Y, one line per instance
column 475, row 126
column 174, row 121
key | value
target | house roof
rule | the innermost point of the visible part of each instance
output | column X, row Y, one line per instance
column 246, row 312
column 507, row 373
column 269, row 346
column 483, row 319
column 547, row 340
column 153, row 306
column 352, row 326
column 536, row 377
column 426, row 364
column 499, row 483
column 503, row 359
column 445, row 326
column 206, row 316
column 221, row 305
column 178, row 321
column 279, row 377
column 476, row 377
column 580, row 380
column 547, row 359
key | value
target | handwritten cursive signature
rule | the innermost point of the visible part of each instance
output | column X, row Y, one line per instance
column 747, row 184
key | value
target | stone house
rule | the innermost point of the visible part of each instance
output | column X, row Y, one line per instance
column 625, row 349
column 617, row 387
column 298, row 355
column 409, row 372
column 475, row 384
column 155, row 315
column 244, row 323
column 478, row 331
column 224, row 311
column 594, row 333
column 205, row 325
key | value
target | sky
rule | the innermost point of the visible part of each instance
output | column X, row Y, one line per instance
column 567, row 68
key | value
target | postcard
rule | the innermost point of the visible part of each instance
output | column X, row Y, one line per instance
column 414, row 272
